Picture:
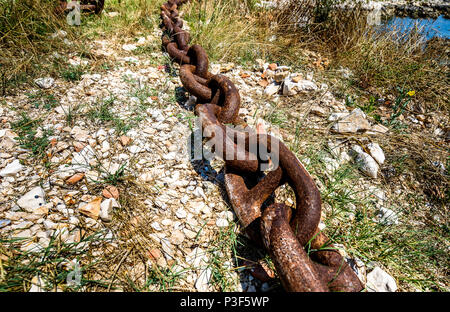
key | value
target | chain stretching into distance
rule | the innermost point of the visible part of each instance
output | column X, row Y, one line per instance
column 303, row 256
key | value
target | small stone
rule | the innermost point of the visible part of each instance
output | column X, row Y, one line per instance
column 181, row 213
column 297, row 78
column 199, row 192
column 155, row 225
column 134, row 149
column 289, row 87
column 154, row 254
column 106, row 209
column 203, row 279
column 79, row 146
column 105, row 146
column 280, row 76
column 379, row 129
column 124, row 140
column 49, row 225
column 387, row 216
column 321, row 226
column 271, row 89
column 306, row 85
column 177, row 237
column 263, row 82
column 110, row 192
column 11, row 169
column 75, row 178
column 222, row 222
column 4, row 223
column 190, row 234
column 37, row 284
column 32, row 200
column 92, row 209
column 358, row 267
column 167, row 248
column 319, row 111
column 376, row 152
column 197, row 258
column 24, row 234
column 79, row 134
column 112, row 14
column 184, row 199
column 380, row 281
column 129, row 47
column 351, row 123
column 45, row 83
column 273, row 66
column 265, row 287
column 365, row 162
column 226, row 67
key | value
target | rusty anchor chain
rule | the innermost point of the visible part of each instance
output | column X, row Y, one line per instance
column 303, row 256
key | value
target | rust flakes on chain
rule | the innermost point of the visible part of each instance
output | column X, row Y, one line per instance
column 303, row 256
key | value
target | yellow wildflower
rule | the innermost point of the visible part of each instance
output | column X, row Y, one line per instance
column 411, row 93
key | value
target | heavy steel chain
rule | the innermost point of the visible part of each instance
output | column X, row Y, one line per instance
column 303, row 256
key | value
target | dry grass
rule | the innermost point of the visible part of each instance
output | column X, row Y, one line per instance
column 240, row 31
column 28, row 36
column 26, row 27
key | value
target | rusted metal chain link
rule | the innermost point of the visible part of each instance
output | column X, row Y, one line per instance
column 303, row 256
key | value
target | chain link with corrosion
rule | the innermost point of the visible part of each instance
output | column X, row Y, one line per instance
column 283, row 231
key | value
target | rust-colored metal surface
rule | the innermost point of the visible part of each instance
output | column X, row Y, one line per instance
column 303, row 256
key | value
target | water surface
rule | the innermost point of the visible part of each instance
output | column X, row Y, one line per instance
column 439, row 27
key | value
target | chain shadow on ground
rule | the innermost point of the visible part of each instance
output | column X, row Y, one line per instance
column 246, row 251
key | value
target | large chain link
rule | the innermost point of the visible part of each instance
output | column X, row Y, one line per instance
column 283, row 231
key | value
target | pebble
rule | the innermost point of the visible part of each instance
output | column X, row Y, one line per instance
column 222, row 222
column 110, row 192
column 37, row 284
column 177, row 237
column 4, row 222
column 376, row 152
column 32, row 200
column 197, row 258
column 155, row 225
column 352, row 122
column 306, row 85
column 11, row 169
column 106, row 209
column 92, row 209
column 271, row 89
column 75, row 178
column 167, row 248
column 45, row 83
column 387, row 216
column 181, row 213
column 129, row 47
column 380, row 281
column 289, row 87
column 202, row 282
column 124, row 140
column 365, row 162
